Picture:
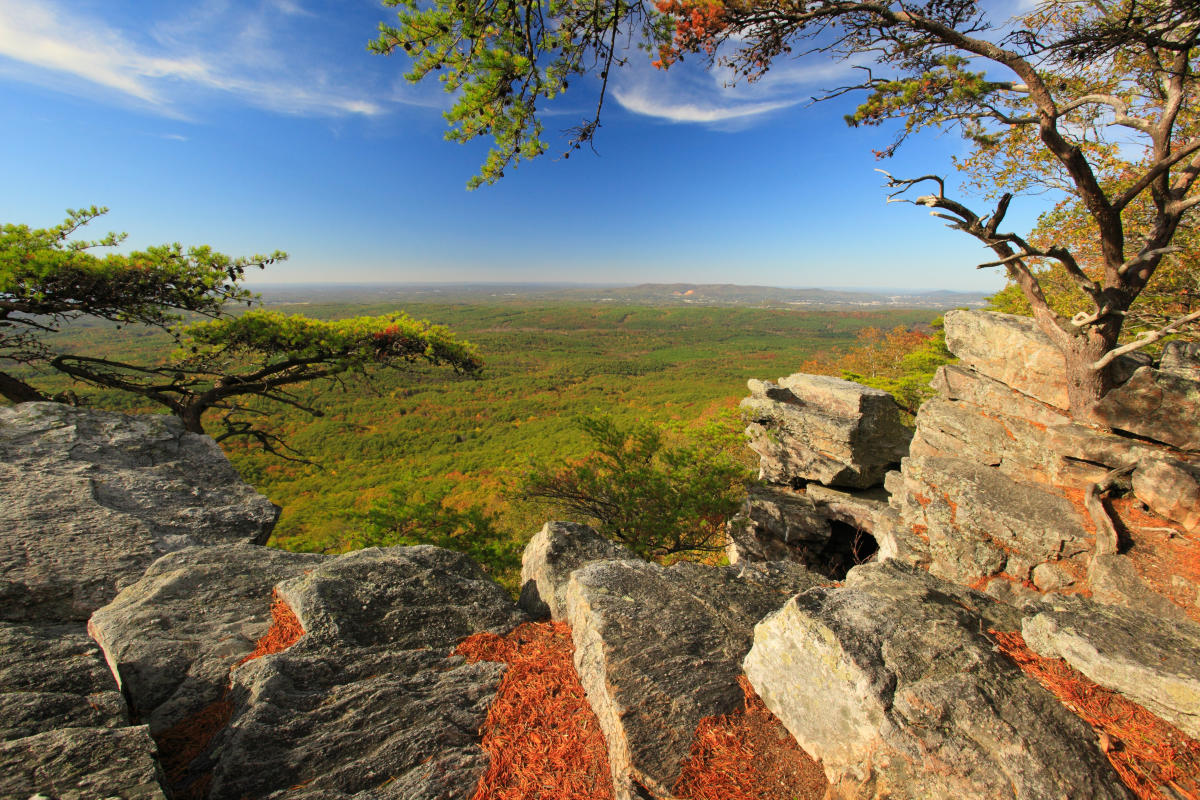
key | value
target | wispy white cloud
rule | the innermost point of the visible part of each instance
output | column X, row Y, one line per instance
column 45, row 42
column 688, row 93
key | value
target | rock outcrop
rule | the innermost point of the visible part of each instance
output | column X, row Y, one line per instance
column 991, row 493
column 656, row 648
column 892, row 682
column 823, row 429
column 1152, row 661
column 88, row 500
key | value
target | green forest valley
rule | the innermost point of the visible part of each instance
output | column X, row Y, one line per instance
column 420, row 437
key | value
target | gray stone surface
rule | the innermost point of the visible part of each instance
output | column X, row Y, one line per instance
column 81, row 764
column 893, row 683
column 53, row 676
column 88, row 499
column 1152, row 661
column 1170, row 489
column 553, row 553
column 658, row 649
column 369, row 700
column 823, row 429
column 173, row 636
column 979, row 522
column 777, row 524
column 1152, row 404
column 1181, row 358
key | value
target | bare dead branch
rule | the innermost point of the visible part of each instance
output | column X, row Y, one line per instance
column 1144, row 339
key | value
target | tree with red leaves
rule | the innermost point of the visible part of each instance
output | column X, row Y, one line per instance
column 1095, row 100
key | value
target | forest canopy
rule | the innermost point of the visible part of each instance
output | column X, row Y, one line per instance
column 1094, row 101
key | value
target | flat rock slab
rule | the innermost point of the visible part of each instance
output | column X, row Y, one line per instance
column 658, row 649
column 1152, row 661
column 1153, row 404
column 81, row 764
column 88, row 499
column 369, row 700
column 172, row 637
column 1009, row 349
column 54, row 677
column 892, row 682
column 553, row 553
column 823, row 429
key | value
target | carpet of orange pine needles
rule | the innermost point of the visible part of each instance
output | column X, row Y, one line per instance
column 542, row 737
column 285, row 630
column 748, row 755
column 1147, row 752
column 188, row 739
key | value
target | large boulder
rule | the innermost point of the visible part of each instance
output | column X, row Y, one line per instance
column 892, row 682
column 368, row 700
column 658, row 649
column 823, row 429
column 1152, row 403
column 981, row 523
column 553, row 553
column 88, row 499
column 1152, row 661
column 172, row 638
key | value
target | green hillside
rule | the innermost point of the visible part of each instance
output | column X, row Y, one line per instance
column 429, row 430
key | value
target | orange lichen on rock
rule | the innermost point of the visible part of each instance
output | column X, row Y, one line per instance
column 542, row 737
column 748, row 755
column 284, row 632
column 1148, row 753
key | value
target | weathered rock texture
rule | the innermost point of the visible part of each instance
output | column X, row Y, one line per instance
column 1154, row 662
column 658, row 649
column 892, row 682
column 823, row 429
column 991, row 492
column 368, row 700
column 173, row 637
column 88, row 499
column 553, row 553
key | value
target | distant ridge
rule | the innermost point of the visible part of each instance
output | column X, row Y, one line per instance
column 654, row 294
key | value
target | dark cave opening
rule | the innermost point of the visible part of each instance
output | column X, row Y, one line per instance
column 848, row 546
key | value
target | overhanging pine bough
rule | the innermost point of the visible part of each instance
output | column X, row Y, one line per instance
column 243, row 366
column 1081, row 79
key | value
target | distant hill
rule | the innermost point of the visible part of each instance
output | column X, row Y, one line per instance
column 652, row 294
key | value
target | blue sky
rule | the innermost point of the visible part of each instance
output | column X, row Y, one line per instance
column 256, row 125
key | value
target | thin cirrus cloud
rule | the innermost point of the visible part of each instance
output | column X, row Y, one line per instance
column 41, row 42
column 687, row 93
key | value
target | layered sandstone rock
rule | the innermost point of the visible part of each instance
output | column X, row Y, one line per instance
column 823, row 429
